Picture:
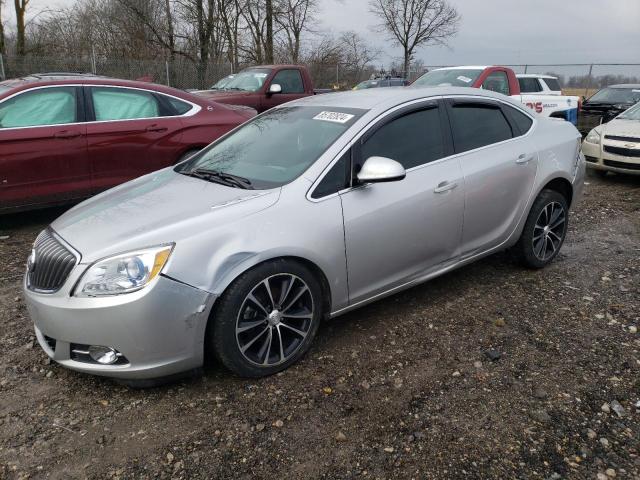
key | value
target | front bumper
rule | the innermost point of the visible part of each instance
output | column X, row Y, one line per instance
column 598, row 159
column 159, row 330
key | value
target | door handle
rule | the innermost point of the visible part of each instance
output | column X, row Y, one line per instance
column 524, row 158
column 156, row 128
column 445, row 187
column 67, row 134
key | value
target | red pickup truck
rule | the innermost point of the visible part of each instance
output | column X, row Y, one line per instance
column 264, row 87
column 502, row 80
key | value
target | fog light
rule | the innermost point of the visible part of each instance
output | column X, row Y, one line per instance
column 103, row 355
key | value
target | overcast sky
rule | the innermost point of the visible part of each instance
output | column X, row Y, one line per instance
column 500, row 31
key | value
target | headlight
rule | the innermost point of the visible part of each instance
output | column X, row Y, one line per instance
column 123, row 273
column 593, row 137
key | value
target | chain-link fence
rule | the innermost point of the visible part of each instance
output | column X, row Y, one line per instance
column 182, row 72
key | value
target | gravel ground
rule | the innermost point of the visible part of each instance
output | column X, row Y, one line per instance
column 491, row 371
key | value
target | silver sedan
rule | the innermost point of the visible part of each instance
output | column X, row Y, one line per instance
column 308, row 211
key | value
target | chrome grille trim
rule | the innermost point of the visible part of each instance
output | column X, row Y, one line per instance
column 53, row 263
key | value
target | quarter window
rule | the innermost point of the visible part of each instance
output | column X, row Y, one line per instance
column 522, row 121
column 44, row 106
column 289, row 80
column 475, row 125
column 336, row 179
column 413, row 139
column 179, row 106
column 497, row 82
column 123, row 104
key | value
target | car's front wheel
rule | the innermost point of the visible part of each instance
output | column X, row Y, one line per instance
column 267, row 318
column 545, row 230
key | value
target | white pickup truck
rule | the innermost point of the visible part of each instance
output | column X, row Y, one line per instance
column 548, row 102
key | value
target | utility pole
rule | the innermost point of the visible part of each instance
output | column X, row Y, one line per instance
column 269, row 46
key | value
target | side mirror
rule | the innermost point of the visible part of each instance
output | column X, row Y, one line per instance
column 275, row 88
column 381, row 169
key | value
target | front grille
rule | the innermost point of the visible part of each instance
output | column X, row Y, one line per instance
column 625, row 152
column 50, row 264
column 628, row 166
column 622, row 139
column 591, row 159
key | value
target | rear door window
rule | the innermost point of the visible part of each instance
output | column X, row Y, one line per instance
column 39, row 107
column 553, row 84
column 123, row 104
column 476, row 125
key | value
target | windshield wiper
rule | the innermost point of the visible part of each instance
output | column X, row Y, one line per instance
column 222, row 178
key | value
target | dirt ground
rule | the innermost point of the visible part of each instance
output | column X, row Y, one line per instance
column 491, row 371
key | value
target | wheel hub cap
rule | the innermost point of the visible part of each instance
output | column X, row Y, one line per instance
column 274, row 318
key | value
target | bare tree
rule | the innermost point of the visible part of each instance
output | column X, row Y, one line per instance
column 416, row 23
column 268, row 51
column 356, row 56
column 294, row 18
column 21, row 8
column 2, row 41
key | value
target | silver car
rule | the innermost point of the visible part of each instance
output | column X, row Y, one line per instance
column 307, row 211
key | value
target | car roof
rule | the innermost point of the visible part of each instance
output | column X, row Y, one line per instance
column 535, row 75
column 463, row 67
column 381, row 99
column 61, row 79
column 625, row 85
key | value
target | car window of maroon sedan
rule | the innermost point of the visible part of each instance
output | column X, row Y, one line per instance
column 44, row 106
column 179, row 106
column 123, row 104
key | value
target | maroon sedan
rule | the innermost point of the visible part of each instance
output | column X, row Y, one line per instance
column 67, row 137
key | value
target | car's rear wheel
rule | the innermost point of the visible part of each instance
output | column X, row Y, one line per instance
column 545, row 230
column 267, row 318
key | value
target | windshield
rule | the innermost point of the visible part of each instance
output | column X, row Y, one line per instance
column 366, row 84
column 274, row 148
column 632, row 114
column 616, row 95
column 452, row 77
column 248, row 80
column 222, row 82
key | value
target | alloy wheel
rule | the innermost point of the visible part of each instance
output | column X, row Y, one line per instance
column 274, row 319
column 549, row 231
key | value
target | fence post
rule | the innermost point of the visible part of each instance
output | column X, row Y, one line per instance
column 586, row 91
column 2, row 76
column 166, row 64
column 526, row 67
column 93, row 60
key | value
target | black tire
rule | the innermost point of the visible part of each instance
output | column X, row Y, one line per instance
column 527, row 249
column 224, row 340
column 187, row 154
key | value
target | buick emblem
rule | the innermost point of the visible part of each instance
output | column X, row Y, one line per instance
column 630, row 145
column 31, row 261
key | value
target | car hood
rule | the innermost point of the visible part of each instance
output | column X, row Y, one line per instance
column 161, row 207
column 623, row 128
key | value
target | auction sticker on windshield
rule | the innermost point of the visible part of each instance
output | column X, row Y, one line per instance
column 464, row 79
column 336, row 117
